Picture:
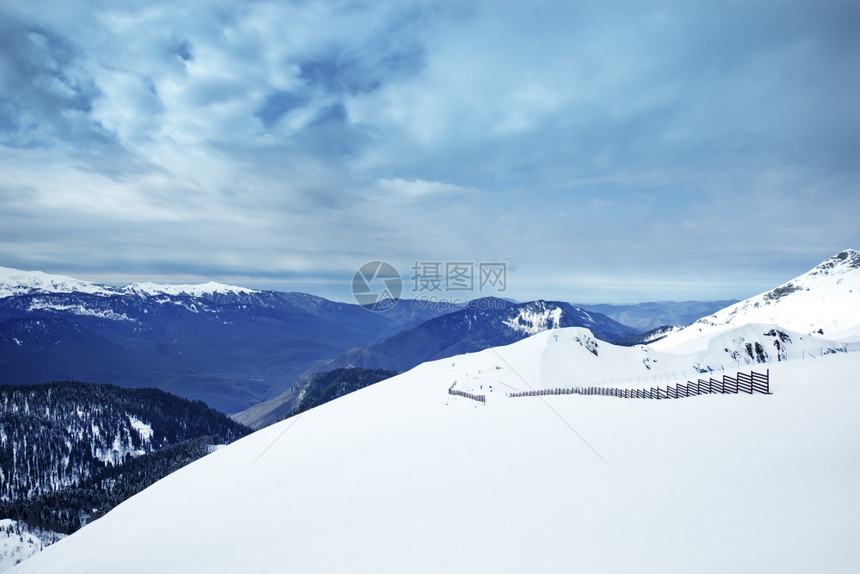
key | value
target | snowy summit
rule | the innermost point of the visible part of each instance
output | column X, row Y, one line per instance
column 824, row 301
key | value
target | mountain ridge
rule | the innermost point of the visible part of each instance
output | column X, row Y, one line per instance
column 483, row 323
column 229, row 348
column 488, row 322
column 21, row 282
column 824, row 301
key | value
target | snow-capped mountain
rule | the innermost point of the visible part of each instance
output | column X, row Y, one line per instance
column 824, row 301
column 403, row 476
column 16, row 282
column 198, row 290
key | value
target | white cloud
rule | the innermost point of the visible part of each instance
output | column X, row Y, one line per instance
column 400, row 190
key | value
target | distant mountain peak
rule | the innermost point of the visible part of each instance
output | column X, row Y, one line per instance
column 846, row 261
column 17, row 282
column 194, row 290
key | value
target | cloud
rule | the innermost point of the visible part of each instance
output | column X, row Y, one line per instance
column 725, row 136
column 399, row 190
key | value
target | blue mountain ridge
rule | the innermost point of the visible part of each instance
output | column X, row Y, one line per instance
column 229, row 350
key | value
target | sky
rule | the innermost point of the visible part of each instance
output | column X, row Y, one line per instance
column 597, row 152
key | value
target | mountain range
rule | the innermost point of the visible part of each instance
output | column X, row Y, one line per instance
column 228, row 346
column 409, row 475
column 655, row 314
column 234, row 347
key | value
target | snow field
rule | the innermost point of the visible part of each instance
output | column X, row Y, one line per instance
column 402, row 477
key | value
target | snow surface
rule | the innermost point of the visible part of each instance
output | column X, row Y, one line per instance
column 574, row 357
column 826, row 298
column 18, row 542
column 403, row 477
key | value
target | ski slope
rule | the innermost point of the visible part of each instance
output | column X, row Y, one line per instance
column 403, row 477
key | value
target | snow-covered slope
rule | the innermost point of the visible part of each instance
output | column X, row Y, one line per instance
column 824, row 301
column 403, row 477
column 18, row 542
column 573, row 357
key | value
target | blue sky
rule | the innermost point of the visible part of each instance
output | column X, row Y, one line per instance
column 605, row 152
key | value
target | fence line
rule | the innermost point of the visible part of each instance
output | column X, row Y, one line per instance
column 474, row 397
column 748, row 383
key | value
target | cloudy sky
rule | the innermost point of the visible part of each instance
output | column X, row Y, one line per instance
column 604, row 151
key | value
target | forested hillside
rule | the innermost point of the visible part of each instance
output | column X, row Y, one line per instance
column 71, row 451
